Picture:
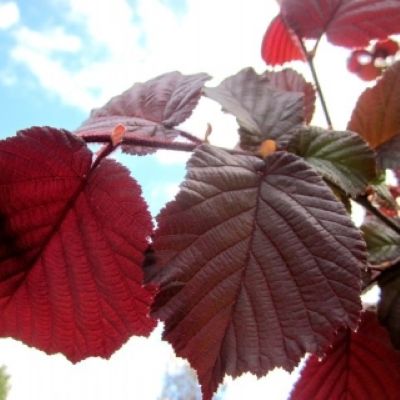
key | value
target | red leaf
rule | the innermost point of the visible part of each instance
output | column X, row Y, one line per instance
column 233, row 294
column 279, row 45
column 291, row 81
column 376, row 116
column 71, row 246
column 148, row 110
column 349, row 23
column 361, row 365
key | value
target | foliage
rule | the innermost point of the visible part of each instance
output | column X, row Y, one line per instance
column 4, row 383
column 256, row 262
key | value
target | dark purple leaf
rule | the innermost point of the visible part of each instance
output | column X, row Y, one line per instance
column 148, row 110
column 262, row 111
column 233, row 294
column 291, row 81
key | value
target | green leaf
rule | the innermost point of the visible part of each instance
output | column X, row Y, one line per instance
column 262, row 110
column 382, row 191
column 383, row 243
column 341, row 157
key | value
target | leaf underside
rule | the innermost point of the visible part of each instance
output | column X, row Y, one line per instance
column 348, row 23
column 376, row 116
column 360, row 365
column 262, row 111
column 233, row 294
column 148, row 110
column 71, row 247
column 291, row 81
column 342, row 157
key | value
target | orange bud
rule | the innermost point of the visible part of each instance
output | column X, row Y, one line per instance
column 117, row 134
column 267, row 147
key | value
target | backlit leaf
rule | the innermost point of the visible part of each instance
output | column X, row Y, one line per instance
column 148, row 110
column 71, row 246
column 233, row 295
column 376, row 116
column 340, row 156
column 262, row 111
column 349, row 23
column 279, row 45
column 389, row 304
column 291, row 81
column 383, row 243
column 360, row 365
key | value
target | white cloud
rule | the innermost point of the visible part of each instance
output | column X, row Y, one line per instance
column 165, row 192
column 129, row 373
column 9, row 15
column 143, row 41
column 48, row 41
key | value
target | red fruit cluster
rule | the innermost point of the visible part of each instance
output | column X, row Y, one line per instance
column 363, row 62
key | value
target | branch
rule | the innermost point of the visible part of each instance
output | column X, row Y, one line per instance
column 136, row 141
column 363, row 201
column 310, row 61
column 189, row 136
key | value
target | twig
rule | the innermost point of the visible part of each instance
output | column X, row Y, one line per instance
column 189, row 136
column 310, row 61
column 135, row 141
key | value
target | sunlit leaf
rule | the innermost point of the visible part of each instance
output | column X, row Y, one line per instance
column 234, row 295
column 71, row 246
column 279, row 45
column 360, row 365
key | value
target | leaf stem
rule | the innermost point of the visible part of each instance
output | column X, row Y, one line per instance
column 189, row 136
column 106, row 150
column 136, row 141
column 310, row 62
column 363, row 201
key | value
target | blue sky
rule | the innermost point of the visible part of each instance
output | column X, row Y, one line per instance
column 61, row 58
